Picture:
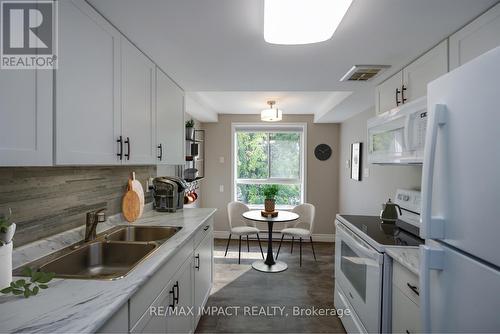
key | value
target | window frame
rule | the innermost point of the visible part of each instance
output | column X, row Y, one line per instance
column 270, row 128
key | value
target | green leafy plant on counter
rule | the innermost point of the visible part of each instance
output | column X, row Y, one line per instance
column 37, row 280
column 270, row 191
column 4, row 224
column 190, row 123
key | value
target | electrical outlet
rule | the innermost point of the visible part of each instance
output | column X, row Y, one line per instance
column 221, row 188
column 366, row 172
column 347, row 164
column 221, row 160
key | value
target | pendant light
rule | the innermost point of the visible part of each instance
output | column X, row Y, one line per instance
column 271, row 114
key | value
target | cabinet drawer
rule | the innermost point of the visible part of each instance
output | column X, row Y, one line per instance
column 405, row 313
column 406, row 281
column 204, row 230
column 140, row 301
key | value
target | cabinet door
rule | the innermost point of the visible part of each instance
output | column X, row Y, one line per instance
column 386, row 93
column 425, row 69
column 87, row 81
column 26, row 118
column 137, row 106
column 203, row 272
column 182, row 321
column 154, row 317
column 476, row 38
column 169, row 120
column 405, row 313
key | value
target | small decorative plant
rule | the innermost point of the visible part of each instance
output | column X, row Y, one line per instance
column 37, row 280
column 7, row 229
column 270, row 192
column 190, row 129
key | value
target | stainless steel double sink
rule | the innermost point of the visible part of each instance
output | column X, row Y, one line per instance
column 111, row 256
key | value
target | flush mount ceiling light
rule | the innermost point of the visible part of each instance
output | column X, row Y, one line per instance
column 271, row 115
column 302, row 21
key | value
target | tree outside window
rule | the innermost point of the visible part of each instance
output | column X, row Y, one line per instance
column 269, row 157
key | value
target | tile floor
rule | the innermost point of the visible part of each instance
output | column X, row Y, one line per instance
column 241, row 286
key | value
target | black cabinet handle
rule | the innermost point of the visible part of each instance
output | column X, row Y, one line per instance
column 160, row 156
column 176, row 298
column 172, row 292
column 197, row 265
column 413, row 288
column 398, row 102
column 403, row 90
column 120, row 152
column 407, row 332
column 127, row 155
column 206, row 227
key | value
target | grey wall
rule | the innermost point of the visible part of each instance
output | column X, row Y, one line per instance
column 366, row 197
column 49, row 200
column 322, row 176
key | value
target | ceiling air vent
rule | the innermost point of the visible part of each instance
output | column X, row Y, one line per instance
column 363, row 72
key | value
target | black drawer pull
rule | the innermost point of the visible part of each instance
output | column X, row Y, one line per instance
column 413, row 288
column 403, row 98
column 398, row 102
column 172, row 292
column 197, row 264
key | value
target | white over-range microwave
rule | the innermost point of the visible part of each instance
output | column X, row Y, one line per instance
column 398, row 136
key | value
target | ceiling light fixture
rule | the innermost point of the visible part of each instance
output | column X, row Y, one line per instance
column 302, row 21
column 271, row 115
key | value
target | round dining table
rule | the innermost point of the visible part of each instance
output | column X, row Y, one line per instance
column 269, row 265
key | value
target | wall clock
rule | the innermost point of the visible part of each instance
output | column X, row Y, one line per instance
column 323, row 152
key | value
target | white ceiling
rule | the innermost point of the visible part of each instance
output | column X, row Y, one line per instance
column 218, row 46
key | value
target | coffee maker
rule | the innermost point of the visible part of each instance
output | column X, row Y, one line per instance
column 168, row 193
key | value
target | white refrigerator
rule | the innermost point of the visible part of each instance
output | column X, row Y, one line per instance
column 460, row 221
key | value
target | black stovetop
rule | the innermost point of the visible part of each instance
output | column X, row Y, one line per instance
column 389, row 234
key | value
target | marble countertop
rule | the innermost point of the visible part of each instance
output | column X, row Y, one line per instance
column 83, row 306
column 407, row 256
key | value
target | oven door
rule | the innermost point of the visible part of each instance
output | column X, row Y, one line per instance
column 358, row 271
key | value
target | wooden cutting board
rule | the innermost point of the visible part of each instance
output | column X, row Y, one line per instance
column 137, row 187
column 131, row 204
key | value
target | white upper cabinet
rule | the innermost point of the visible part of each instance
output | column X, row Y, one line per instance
column 169, row 121
column 411, row 83
column 87, row 85
column 476, row 38
column 139, row 137
column 26, row 118
column 425, row 69
column 388, row 93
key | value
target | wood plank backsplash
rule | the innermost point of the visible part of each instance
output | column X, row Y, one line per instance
column 50, row 200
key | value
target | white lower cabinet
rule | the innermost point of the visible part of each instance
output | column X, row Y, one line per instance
column 182, row 320
column 405, row 301
column 203, row 272
column 169, row 301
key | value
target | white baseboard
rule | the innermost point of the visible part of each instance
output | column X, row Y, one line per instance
column 277, row 236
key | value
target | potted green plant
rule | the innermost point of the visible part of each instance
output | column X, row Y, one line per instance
column 190, row 129
column 270, row 192
column 7, row 230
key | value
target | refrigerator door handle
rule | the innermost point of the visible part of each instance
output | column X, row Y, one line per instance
column 430, row 259
column 431, row 226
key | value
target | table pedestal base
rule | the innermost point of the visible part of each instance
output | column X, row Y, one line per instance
column 275, row 268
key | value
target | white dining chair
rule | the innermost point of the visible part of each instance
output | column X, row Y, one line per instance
column 306, row 214
column 240, row 226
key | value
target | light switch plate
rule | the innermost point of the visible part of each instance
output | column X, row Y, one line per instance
column 366, row 172
column 347, row 164
column 221, row 188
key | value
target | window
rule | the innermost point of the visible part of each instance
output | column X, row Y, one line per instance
column 266, row 154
